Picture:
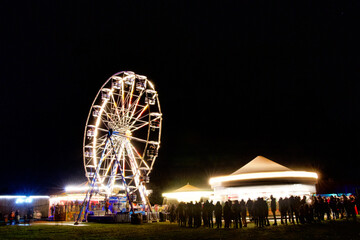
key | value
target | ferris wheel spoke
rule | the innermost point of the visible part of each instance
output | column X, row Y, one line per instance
column 139, row 115
column 133, row 162
column 105, row 153
column 131, row 95
column 108, row 113
column 103, row 130
column 114, row 163
column 140, row 157
column 116, row 108
column 131, row 137
column 137, row 128
column 103, row 120
column 134, row 106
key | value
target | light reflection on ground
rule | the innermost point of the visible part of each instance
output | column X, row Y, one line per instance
column 62, row 223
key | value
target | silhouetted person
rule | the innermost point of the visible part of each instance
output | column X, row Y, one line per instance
column 273, row 208
column 237, row 214
column 218, row 215
column 351, row 208
column 249, row 205
column 334, row 210
column 197, row 214
column 210, row 211
column 205, row 213
column 17, row 217
column 189, row 208
column 227, row 214
column 302, row 214
column 266, row 212
column 181, row 214
column 297, row 203
column 327, row 209
column 283, row 211
column 243, row 212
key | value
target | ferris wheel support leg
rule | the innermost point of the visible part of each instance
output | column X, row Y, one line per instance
column 81, row 210
column 121, row 173
column 86, row 202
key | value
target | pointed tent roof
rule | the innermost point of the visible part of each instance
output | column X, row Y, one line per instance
column 188, row 188
column 261, row 164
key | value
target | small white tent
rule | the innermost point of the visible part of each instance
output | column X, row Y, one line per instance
column 188, row 193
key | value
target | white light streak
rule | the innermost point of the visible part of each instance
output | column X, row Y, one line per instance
column 86, row 188
column 263, row 175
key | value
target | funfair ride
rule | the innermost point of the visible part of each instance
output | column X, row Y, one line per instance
column 122, row 138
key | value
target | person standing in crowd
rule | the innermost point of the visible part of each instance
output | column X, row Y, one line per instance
column 309, row 213
column 210, row 210
column 255, row 212
column 302, row 214
column 17, row 217
column 243, row 212
column 197, row 214
column 340, row 207
column 297, row 203
column 283, row 211
column 180, row 211
column 190, row 213
column 249, row 205
column 236, row 214
column 258, row 211
column 273, row 208
column 351, row 208
column 266, row 212
column 107, row 204
column 205, row 212
column 172, row 213
column 218, row 215
column 291, row 209
column 30, row 215
column 332, row 205
column 227, row 214
column 327, row 209
column 11, row 217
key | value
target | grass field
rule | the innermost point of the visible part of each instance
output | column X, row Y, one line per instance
column 341, row 229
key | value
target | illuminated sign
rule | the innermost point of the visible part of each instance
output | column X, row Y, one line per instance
column 24, row 200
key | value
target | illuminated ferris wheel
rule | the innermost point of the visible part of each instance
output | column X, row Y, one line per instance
column 122, row 135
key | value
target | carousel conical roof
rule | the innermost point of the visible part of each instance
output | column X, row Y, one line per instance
column 261, row 164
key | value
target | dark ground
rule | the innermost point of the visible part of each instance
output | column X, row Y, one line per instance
column 340, row 229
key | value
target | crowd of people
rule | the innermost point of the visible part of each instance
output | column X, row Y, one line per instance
column 14, row 217
column 237, row 214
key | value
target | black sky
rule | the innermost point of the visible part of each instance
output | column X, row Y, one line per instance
column 236, row 79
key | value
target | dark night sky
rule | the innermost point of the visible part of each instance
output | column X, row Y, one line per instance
column 236, row 79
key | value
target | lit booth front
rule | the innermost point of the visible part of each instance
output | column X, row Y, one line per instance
column 262, row 177
column 38, row 206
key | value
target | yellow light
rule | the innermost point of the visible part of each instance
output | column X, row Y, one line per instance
column 264, row 175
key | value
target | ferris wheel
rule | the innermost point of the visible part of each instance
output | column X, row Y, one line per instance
column 122, row 135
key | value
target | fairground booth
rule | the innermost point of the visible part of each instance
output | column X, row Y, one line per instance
column 37, row 206
column 66, row 206
column 262, row 177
